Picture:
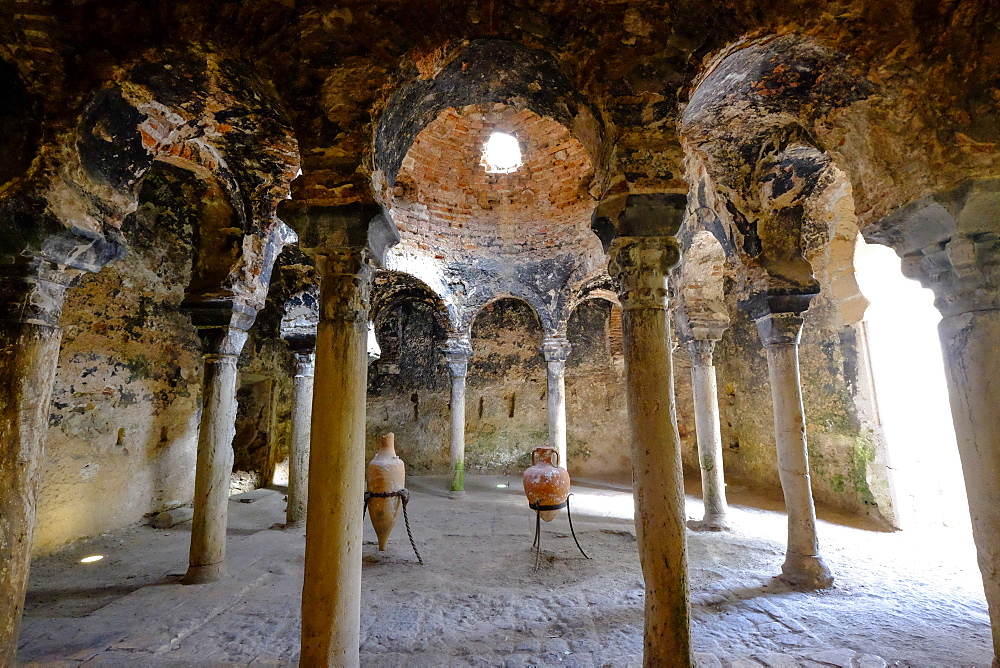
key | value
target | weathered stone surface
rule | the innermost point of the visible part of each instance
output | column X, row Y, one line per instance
column 171, row 518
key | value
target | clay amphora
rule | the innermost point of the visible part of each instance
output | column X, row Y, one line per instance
column 386, row 473
column 545, row 482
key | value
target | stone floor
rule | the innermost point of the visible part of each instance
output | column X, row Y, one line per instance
column 906, row 598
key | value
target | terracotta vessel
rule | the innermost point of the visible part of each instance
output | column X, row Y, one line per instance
column 545, row 482
column 386, row 473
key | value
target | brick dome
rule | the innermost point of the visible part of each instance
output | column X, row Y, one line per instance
column 448, row 205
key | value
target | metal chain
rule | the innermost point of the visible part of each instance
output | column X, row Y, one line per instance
column 406, row 519
column 403, row 494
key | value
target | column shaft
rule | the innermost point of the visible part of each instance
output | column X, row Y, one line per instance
column 331, row 594
column 298, row 455
column 803, row 564
column 29, row 355
column 641, row 266
column 457, row 352
column 557, row 409
column 972, row 361
column 457, row 434
column 207, row 560
column 706, row 415
column 556, row 350
column 31, row 301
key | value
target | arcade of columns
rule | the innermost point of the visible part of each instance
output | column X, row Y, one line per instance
column 755, row 172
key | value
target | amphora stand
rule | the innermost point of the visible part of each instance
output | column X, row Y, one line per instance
column 537, row 544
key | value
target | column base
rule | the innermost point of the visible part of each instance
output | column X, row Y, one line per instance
column 806, row 572
column 205, row 574
column 297, row 525
column 456, row 494
column 709, row 523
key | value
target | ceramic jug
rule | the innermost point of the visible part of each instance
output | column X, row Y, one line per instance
column 386, row 473
column 545, row 482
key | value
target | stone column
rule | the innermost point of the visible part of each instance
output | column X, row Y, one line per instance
column 780, row 332
column 31, row 299
column 457, row 352
column 298, row 455
column 641, row 265
column 331, row 593
column 556, row 349
column 706, row 419
column 222, row 344
column 951, row 243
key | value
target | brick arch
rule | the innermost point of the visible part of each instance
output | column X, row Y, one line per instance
column 205, row 112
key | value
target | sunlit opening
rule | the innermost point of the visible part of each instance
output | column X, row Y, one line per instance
column 502, row 154
column 92, row 558
column 911, row 391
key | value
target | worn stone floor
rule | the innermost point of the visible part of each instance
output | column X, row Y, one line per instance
column 905, row 598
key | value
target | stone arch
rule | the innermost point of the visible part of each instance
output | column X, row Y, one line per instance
column 701, row 310
column 204, row 112
column 390, row 288
column 747, row 131
column 528, row 348
column 477, row 306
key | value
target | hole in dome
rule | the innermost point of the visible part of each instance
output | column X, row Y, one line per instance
column 502, row 154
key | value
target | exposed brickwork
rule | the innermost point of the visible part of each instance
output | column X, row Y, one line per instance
column 446, row 203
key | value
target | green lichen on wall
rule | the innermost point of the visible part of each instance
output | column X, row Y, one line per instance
column 845, row 470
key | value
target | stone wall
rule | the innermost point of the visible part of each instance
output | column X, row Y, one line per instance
column 123, row 427
column 506, row 409
column 846, row 451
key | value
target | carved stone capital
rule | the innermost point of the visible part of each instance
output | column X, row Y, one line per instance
column 701, row 351
column 32, row 291
column 345, row 284
column 457, row 352
column 963, row 272
column 641, row 265
column 950, row 242
column 556, row 349
column 305, row 364
column 321, row 228
column 222, row 326
column 780, row 328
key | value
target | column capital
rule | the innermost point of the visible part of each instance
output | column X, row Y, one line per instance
column 701, row 351
column 222, row 326
column 556, row 348
column 963, row 272
column 950, row 242
column 32, row 291
column 457, row 352
column 641, row 266
column 305, row 364
column 780, row 328
column 322, row 229
column 345, row 284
